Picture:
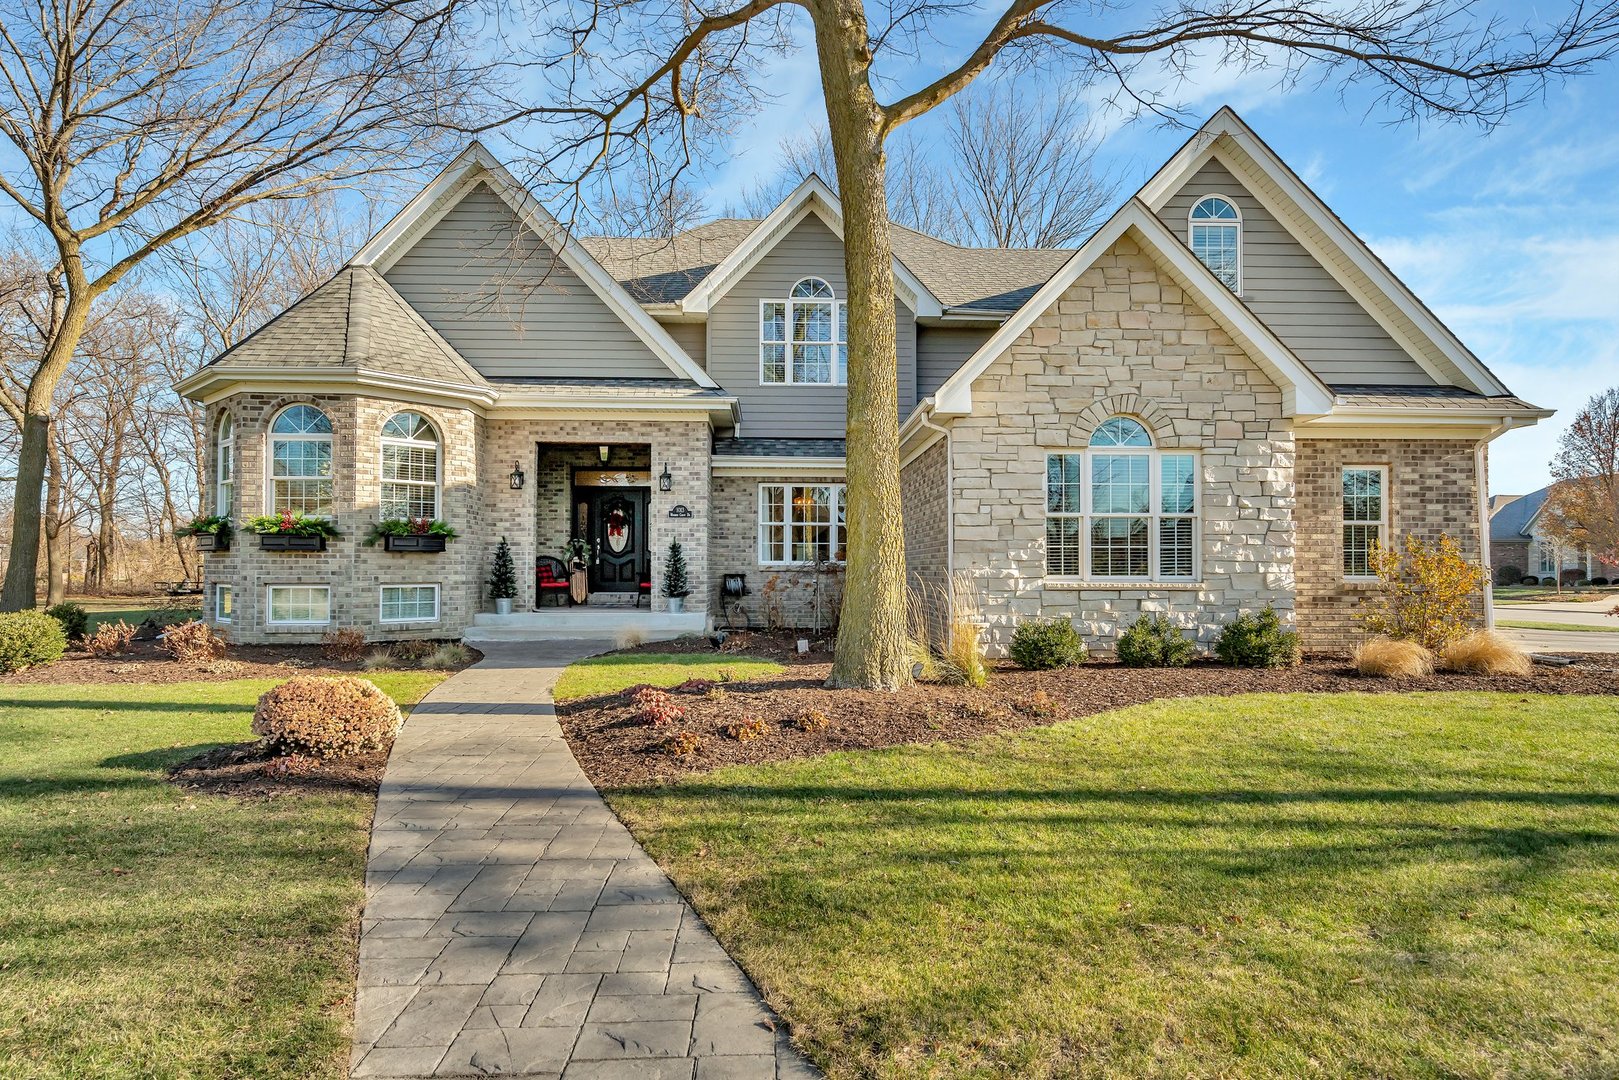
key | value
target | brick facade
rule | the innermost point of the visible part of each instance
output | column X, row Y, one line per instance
column 923, row 489
column 787, row 596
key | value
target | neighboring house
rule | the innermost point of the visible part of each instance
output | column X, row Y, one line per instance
column 1518, row 541
column 1220, row 401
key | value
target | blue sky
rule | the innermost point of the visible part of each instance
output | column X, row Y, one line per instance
column 1512, row 236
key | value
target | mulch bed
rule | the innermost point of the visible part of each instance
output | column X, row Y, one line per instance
column 252, row 771
column 145, row 662
column 617, row 750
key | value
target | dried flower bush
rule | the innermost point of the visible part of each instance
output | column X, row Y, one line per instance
column 747, row 730
column 682, row 743
column 1040, row 704
column 343, row 645
column 326, row 717
column 656, row 708
column 193, row 641
column 812, row 721
column 110, row 639
column 696, row 686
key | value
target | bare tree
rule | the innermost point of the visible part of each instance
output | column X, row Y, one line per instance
column 638, row 203
column 1583, row 508
column 138, row 123
column 1029, row 174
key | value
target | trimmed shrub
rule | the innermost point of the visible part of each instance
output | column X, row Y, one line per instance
column 74, row 619
column 326, row 717
column 344, row 645
column 1547, row 581
column 1485, row 653
column 110, row 639
column 28, row 639
column 1046, row 644
column 1600, row 581
column 192, row 641
column 1528, row 580
column 1258, row 640
column 1153, row 641
column 1582, row 583
column 1508, row 575
column 1386, row 658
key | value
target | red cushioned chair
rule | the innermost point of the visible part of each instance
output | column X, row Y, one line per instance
column 646, row 591
column 550, row 579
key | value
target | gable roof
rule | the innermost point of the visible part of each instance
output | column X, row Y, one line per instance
column 1302, row 392
column 812, row 196
column 1511, row 522
column 1227, row 139
column 476, row 165
column 353, row 326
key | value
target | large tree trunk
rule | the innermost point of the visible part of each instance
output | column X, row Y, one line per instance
column 56, row 547
column 871, row 648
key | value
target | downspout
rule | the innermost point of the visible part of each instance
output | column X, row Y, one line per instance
column 949, row 511
column 1480, row 470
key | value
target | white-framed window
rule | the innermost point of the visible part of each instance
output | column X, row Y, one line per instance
column 301, row 462
column 225, row 465
column 409, row 467
column 1215, row 234
column 804, row 339
column 802, row 523
column 1122, row 510
column 408, row 603
column 1365, row 518
column 298, row 605
column 222, row 603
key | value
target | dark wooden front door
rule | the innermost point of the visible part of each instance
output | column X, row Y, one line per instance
column 615, row 522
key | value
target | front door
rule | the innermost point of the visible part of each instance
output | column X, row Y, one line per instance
column 615, row 522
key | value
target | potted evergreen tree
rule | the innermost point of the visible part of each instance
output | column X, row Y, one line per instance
column 503, row 579
column 674, row 578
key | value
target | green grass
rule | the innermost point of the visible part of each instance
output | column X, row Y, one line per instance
column 1540, row 594
column 137, row 610
column 1577, row 628
column 147, row 933
column 609, row 674
column 1261, row 886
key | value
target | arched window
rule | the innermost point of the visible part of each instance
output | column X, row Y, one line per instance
column 225, row 466
column 1122, row 510
column 804, row 339
column 409, row 467
column 1216, row 238
column 301, row 462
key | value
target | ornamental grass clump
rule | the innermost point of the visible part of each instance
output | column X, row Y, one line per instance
column 329, row 717
column 1153, row 641
column 1485, row 653
column 194, row 641
column 450, row 656
column 30, row 638
column 1389, row 658
column 1258, row 641
column 1047, row 644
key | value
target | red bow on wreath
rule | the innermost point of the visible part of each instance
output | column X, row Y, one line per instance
column 615, row 523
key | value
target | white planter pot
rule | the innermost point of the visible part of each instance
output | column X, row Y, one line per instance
column 503, row 605
column 677, row 604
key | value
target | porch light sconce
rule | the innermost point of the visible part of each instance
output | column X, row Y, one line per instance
column 604, row 451
column 665, row 481
column 517, row 477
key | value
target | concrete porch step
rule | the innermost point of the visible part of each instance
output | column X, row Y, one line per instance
column 583, row 623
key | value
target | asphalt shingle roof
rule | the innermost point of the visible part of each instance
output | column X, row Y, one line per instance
column 1509, row 522
column 778, row 447
column 1428, row 397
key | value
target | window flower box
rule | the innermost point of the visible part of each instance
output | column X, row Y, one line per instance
column 426, row 544
column 213, row 542
column 291, row 542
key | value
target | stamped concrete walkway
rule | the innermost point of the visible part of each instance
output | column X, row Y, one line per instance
column 512, row 925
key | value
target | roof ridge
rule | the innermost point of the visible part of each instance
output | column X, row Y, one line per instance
column 391, row 295
column 356, row 322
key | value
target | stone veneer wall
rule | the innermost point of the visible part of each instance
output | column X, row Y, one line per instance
column 1435, row 492
column 923, row 484
column 682, row 445
column 1124, row 339
column 354, row 572
column 735, row 550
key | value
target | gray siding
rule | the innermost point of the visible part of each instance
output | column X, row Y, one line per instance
column 940, row 350
column 1295, row 295
column 791, row 412
column 496, row 293
column 691, row 336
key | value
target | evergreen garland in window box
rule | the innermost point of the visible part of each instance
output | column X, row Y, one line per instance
column 417, row 535
column 212, row 532
column 292, row 532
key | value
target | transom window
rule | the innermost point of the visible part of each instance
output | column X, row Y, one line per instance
column 300, row 605
column 225, row 466
column 1122, row 510
column 409, row 603
column 1216, row 239
column 804, row 339
column 409, row 467
column 802, row 523
column 301, row 462
column 1365, row 517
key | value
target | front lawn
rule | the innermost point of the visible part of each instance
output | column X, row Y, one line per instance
column 613, row 672
column 1578, row 628
column 1540, row 594
column 148, row 932
column 1271, row 885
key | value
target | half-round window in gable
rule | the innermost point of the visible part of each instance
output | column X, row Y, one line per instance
column 1216, row 238
column 1120, row 431
column 301, row 462
column 409, row 467
column 812, row 288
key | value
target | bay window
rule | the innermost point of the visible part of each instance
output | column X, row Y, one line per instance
column 301, row 462
column 409, row 467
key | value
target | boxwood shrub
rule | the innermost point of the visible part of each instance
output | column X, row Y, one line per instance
column 1044, row 644
column 74, row 619
column 1258, row 640
column 1153, row 641
column 29, row 638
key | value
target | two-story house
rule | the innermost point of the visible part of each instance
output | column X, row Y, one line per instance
column 1222, row 400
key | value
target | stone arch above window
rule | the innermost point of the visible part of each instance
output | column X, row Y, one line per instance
column 1146, row 413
